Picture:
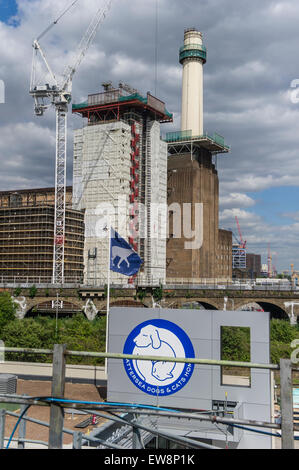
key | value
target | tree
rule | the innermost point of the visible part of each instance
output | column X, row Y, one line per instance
column 27, row 333
column 282, row 331
column 7, row 309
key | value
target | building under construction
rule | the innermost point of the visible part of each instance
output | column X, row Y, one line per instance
column 126, row 177
column 120, row 178
column 27, row 237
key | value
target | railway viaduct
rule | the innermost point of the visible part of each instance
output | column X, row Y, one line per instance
column 93, row 302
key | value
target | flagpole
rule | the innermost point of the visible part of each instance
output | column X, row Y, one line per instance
column 108, row 296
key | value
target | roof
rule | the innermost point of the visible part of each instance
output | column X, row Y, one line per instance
column 34, row 190
column 116, row 98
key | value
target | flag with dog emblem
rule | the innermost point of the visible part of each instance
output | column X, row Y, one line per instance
column 123, row 259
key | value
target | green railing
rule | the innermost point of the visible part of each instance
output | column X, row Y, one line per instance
column 80, row 105
column 135, row 96
column 200, row 47
column 193, row 50
column 181, row 136
column 178, row 136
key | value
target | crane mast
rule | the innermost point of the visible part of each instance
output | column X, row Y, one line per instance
column 59, row 96
column 60, row 191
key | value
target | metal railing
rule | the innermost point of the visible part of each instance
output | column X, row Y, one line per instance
column 152, row 281
column 57, row 402
column 182, row 136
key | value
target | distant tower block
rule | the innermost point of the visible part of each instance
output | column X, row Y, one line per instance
column 192, row 56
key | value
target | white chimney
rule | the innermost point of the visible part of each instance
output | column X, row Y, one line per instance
column 192, row 57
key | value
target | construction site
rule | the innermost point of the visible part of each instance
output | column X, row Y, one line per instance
column 27, row 235
column 125, row 176
column 164, row 381
column 120, row 173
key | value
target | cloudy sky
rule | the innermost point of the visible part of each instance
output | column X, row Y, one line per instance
column 250, row 95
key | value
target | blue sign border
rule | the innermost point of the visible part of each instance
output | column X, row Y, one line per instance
column 188, row 369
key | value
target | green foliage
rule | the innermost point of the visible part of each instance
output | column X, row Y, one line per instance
column 282, row 331
column 158, row 293
column 17, row 292
column 282, row 334
column 7, row 310
column 32, row 291
column 26, row 333
column 77, row 332
column 235, row 342
column 80, row 334
column 280, row 351
column 141, row 294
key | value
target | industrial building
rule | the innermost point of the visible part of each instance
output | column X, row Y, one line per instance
column 193, row 179
column 251, row 269
column 27, row 237
column 120, row 176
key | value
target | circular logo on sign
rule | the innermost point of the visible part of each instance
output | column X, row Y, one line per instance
column 158, row 338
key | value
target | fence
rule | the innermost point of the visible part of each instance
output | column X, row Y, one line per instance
column 58, row 402
column 152, row 281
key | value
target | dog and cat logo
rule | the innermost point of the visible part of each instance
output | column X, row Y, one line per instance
column 160, row 338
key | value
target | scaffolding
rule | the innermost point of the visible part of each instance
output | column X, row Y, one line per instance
column 120, row 162
column 239, row 257
column 102, row 177
column 32, row 197
column 26, row 238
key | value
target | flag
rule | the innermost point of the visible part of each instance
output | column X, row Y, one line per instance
column 123, row 259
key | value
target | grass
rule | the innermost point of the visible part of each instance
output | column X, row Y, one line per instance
column 10, row 406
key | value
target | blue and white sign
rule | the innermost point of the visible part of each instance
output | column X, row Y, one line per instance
column 123, row 259
column 159, row 337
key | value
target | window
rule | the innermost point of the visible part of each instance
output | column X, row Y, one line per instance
column 235, row 346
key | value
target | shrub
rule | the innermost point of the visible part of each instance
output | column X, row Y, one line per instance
column 158, row 293
column 32, row 292
column 17, row 292
column 7, row 310
column 235, row 342
column 26, row 333
column 282, row 331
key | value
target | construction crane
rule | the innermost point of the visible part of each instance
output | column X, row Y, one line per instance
column 51, row 92
column 241, row 242
column 238, row 249
column 270, row 270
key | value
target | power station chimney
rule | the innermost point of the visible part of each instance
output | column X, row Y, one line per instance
column 192, row 56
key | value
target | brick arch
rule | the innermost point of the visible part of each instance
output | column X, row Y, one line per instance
column 276, row 308
column 39, row 301
column 209, row 304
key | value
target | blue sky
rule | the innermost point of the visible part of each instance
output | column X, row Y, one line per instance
column 8, row 8
column 276, row 205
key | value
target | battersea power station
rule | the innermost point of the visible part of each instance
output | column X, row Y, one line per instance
column 121, row 163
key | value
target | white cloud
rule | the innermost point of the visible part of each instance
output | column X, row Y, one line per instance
column 234, row 200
